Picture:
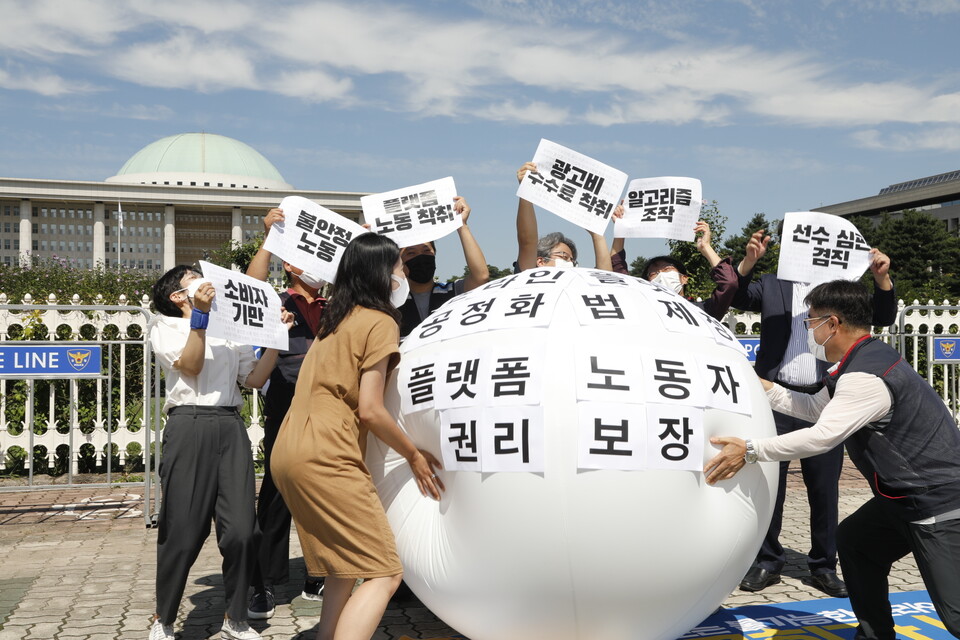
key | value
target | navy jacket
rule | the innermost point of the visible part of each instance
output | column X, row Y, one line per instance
column 773, row 298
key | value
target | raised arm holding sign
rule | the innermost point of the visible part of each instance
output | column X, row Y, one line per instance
column 414, row 215
column 819, row 247
column 246, row 310
column 573, row 186
column 554, row 249
column 660, row 208
column 311, row 237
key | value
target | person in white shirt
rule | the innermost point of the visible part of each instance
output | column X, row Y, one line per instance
column 901, row 437
column 206, row 468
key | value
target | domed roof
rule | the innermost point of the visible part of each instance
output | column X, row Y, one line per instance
column 201, row 159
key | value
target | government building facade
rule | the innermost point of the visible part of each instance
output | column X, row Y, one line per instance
column 181, row 198
column 938, row 195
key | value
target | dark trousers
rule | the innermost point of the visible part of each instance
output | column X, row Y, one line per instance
column 206, row 472
column 273, row 520
column 871, row 540
column 821, row 475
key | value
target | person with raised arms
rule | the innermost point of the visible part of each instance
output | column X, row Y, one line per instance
column 900, row 436
column 554, row 249
column 420, row 265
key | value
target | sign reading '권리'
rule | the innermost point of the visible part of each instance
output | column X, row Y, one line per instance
column 49, row 361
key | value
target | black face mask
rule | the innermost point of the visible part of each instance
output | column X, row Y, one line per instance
column 422, row 268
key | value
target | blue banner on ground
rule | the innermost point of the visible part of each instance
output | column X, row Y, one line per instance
column 826, row 619
column 49, row 361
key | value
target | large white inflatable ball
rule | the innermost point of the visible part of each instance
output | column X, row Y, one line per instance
column 572, row 410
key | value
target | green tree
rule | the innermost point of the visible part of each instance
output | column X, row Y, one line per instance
column 735, row 246
column 700, row 284
column 924, row 256
column 495, row 272
column 63, row 278
column 238, row 253
column 636, row 267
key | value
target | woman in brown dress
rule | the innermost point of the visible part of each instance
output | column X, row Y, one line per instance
column 317, row 461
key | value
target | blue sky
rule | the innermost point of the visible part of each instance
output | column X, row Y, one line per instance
column 774, row 106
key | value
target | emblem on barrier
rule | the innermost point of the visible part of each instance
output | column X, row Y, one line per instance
column 948, row 346
column 78, row 358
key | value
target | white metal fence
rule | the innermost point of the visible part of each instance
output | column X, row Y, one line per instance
column 108, row 425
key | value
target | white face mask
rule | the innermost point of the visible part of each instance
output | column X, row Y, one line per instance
column 562, row 264
column 399, row 295
column 819, row 351
column 670, row 280
column 311, row 280
column 191, row 288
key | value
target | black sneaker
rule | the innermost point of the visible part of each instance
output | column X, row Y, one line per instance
column 262, row 604
column 312, row 589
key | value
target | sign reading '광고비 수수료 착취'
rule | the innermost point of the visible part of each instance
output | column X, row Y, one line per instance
column 50, row 361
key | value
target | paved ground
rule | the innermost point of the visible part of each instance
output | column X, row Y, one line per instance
column 79, row 564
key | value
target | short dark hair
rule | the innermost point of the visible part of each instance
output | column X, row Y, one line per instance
column 363, row 280
column 848, row 300
column 166, row 285
column 645, row 272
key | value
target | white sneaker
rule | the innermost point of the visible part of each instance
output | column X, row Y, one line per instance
column 236, row 630
column 160, row 631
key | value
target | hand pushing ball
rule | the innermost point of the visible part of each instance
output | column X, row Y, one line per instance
column 572, row 410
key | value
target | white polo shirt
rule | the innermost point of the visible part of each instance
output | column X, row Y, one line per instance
column 225, row 365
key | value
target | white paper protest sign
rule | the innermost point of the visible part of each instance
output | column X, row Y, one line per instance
column 818, row 247
column 660, row 208
column 573, row 186
column 311, row 237
column 245, row 310
column 413, row 215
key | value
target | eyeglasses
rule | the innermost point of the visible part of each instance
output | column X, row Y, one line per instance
column 807, row 321
column 653, row 274
column 561, row 255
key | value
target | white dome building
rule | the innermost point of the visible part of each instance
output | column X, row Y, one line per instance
column 201, row 159
column 182, row 197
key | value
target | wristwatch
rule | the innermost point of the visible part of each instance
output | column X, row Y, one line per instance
column 750, row 456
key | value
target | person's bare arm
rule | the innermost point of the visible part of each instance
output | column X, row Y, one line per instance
column 476, row 262
column 190, row 362
column 375, row 417
column 704, row 245
column 527, row 234
column 260, row 264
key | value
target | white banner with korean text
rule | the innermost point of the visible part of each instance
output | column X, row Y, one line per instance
column 819, row 247
column 413, row 215
column 311, row 237
column 245, row 310
column 573, row 186
column 665, row 207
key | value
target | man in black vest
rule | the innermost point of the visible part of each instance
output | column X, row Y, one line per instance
column 901, row 437
column 784, row 358
column 302, row 298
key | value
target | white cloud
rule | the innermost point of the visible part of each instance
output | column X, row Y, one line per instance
column 42, row 82
column 185, row 61
column 388, row 56
column 930, row 139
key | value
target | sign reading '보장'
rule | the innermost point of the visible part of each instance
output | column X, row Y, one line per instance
column 50, row 361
